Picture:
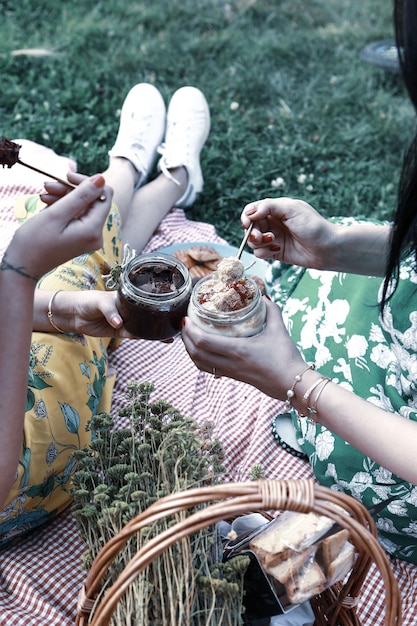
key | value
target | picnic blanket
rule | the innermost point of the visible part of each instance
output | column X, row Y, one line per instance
column 40, row 577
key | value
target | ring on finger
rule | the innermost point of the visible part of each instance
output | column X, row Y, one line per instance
column 214, row 372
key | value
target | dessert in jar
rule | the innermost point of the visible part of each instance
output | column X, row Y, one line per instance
column 153, row 296
column 227, row 302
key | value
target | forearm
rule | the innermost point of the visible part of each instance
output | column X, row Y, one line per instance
column 90, row 312
column 16, row 297
column 387, row 438
column 60, row 304
column 358, row 249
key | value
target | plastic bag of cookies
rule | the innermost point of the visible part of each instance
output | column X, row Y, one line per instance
column 293, row 558
column 304, row 553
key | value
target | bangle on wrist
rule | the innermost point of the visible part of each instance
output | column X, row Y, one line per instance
column 312, row 410
column 318, row 387
column 50, row 314
column 297, row 378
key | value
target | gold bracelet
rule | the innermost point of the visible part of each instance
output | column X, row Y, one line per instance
column 297, row 378
column 312, row 410
column 50, row 314
column 306, row 397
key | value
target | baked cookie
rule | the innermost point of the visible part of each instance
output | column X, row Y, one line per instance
column 199, row 260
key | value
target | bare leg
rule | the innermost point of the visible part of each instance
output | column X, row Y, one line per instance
column 122, row 177
column 142, row 125
column 141, row 210
column 150, row 204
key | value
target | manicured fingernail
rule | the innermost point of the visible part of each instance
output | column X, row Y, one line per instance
column 98, row 180
column 251, row 211
column 267, row 238
column 275, row 248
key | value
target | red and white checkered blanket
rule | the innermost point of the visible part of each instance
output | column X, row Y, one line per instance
column 40, row 577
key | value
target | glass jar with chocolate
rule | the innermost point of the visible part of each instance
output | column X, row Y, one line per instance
column 227, row 302
column 153, row 296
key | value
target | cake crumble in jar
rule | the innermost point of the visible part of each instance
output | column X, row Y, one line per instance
column 228, row 302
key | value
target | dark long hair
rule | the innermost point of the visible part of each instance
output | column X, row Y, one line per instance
column 404, row 232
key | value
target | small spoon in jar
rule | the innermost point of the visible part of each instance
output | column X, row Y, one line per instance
column 244, row 240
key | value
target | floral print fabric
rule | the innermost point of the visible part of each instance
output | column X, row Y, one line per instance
column 67, row 384
column 335, row 320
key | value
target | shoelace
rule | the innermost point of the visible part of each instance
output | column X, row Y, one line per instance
column 162, row 148
column 162, row 164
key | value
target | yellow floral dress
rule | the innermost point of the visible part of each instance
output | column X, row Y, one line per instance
column 68, row 382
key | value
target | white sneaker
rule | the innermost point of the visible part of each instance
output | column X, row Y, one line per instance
column 188, row 126
column 141, row 130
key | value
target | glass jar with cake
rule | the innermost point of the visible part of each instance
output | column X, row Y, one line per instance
column 153, row 296
column 227, row 302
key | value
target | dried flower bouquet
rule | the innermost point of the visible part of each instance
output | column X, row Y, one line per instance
column 120, row 474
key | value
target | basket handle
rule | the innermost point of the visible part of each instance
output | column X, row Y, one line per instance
column 233, row 499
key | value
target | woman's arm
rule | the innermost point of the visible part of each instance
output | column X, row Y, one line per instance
column 91, row 312
column 69, row 228
column 387, row 438
column 359, row 249
column 270, row 361
column 292, row 231
column 16, row 298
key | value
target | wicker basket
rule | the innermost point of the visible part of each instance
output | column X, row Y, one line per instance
column 336, row 606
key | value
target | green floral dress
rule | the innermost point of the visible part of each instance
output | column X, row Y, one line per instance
column 68, row 382
column 335, row 320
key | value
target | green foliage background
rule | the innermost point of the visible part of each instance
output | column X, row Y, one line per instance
column 307, row 103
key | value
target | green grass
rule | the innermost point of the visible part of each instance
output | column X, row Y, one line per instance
column 306, row 103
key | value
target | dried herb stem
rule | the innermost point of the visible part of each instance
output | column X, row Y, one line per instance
column 121, row 473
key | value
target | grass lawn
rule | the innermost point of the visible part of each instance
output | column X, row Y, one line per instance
column 292, row 104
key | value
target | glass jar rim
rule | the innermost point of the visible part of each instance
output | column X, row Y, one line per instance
column 226, row 317
column 147, row 260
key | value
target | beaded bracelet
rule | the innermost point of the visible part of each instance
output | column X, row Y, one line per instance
column 50, row 314
column 297, row 378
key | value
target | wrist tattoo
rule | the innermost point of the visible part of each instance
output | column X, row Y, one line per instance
column 5, row 265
